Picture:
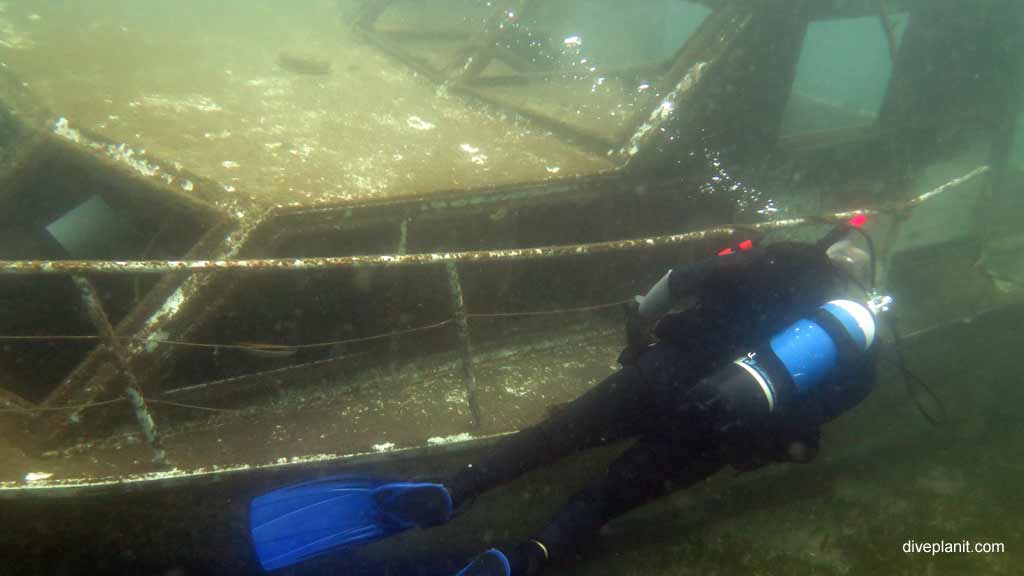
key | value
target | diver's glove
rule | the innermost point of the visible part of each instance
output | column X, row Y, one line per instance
column 638, row 334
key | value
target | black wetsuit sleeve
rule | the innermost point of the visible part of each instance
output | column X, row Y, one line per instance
column 690, row 280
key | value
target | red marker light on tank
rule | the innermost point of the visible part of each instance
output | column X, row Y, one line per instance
column 743, row 246
column 858, row 220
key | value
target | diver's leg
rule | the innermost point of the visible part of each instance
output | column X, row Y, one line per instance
column 648, row 470
column 373, row 510
column 610, row 411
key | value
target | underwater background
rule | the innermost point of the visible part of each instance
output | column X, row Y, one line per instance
column 382, row 169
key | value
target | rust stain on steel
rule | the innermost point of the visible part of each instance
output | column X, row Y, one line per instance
column 663, row 114
column 465, row 340
column 93, row 376
column 954, row 183
column 181, row 297
column 166, row 266
column 132, row 388
column 219, row 265
column 676, row 118
column 451, row 199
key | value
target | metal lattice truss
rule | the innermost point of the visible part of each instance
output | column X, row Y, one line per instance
column 728, row 83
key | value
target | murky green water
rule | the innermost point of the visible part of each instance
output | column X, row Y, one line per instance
column 263, row 198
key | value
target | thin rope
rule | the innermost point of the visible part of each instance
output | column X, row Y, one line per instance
column 268, row 346
column 190, row 406
column 277, row 346
column 60, row 408
column 550, row 312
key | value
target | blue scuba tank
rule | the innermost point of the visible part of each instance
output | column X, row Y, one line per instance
column 798, row 359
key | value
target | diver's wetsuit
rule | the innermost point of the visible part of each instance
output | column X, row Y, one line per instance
column 741, row 301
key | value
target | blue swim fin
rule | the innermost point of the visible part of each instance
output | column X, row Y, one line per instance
column 490, row 563
column 298, row 522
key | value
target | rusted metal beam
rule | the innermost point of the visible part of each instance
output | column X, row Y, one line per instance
column 301, row 264
column 594, row 143
column 400, row 34
column 821, row 9
column 591, row 141
column 92, row 153
column 832, row 139
column 888, row 28
column 24, row 160
column 483, row 47
column 670, row 122
column 371, row 11
column 291, row 222
column 132, row 389
column 172, row 308
column 887, row 247
column 389, row 46
column 862, row 8
column 1006, row 110
column 651, row 69
column 465, row 346
column 946, row 187
column 393, row 302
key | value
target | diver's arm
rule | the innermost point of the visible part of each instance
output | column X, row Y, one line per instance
column 641, row 314
column 644, row 311
column 678, row 283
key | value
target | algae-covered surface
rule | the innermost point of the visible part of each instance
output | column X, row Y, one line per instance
column 280, row 106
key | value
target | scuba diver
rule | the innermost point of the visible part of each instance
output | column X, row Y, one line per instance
column 773, row 348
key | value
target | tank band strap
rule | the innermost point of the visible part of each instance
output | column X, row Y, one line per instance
column 848, row 349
